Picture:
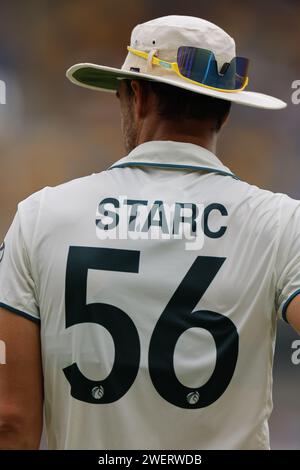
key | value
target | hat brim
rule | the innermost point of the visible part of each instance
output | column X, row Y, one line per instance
column 102, row 78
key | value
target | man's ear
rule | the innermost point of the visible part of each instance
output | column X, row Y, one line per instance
column 140, row 97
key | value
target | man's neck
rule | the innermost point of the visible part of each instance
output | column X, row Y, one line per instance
column 203, row 135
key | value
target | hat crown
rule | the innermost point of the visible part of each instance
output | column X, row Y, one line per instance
column 168, row 33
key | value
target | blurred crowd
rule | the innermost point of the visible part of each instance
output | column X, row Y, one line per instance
column 52, row 131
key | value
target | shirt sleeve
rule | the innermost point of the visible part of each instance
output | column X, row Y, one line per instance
column 17, row 287
column 288, row 260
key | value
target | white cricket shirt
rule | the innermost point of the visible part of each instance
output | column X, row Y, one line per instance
column 157, row 285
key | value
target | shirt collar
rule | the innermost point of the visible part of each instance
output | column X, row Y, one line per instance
column 173, row 155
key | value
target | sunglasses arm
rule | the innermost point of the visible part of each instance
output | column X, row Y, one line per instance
column 174, row 66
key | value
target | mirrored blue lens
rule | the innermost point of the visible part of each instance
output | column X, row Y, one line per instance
column 200, row 65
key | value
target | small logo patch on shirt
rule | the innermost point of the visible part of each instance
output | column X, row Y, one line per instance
column 2, row 248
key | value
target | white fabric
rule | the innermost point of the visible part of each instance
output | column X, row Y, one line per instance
column 261, row 272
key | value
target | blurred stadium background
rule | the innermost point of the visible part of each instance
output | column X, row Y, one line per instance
column 52, row 131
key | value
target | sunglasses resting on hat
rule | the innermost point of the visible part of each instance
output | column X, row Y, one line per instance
column 200, row 67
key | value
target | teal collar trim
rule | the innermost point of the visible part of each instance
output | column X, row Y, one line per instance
column 173, row 155
column 177, row 166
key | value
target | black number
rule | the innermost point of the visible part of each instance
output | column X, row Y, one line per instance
column 117, row 322
column 177, row 317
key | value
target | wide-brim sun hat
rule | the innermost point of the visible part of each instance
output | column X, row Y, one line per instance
column 162, row 38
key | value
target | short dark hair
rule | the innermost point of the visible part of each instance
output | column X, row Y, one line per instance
column 176, row 103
